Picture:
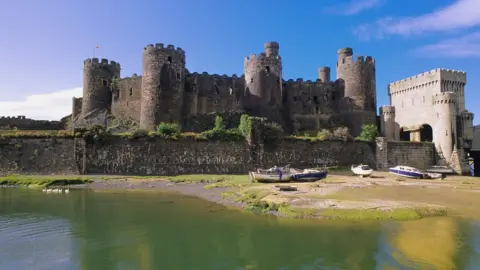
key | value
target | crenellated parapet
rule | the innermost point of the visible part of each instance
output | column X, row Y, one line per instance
column 169, row 50
column 387, row 110
column 444, row 98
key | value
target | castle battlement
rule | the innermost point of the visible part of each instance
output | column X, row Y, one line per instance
column 101, row 62
column 439, row 73
column 387, row 109
column 358, row 60
column 19, row 117
column 160, row 46
column 443, row 98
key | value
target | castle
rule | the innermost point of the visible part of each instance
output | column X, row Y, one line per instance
column 431, row 107
column 168, row 92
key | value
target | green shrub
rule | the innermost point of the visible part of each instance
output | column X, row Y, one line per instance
column 219, row 122
column 245, row 126
column 168, row 129
column 369, row 133
column 324, row 134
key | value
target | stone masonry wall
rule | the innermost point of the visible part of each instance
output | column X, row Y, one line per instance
column 392, row 153
column 37, row 156
column 160, row 157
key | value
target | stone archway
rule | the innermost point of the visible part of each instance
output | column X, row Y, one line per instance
column 404, row 134
column 426, row 133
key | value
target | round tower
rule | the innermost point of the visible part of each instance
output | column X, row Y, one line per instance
column 76, row 107
column 263, row 78
column 357, row 77
column 387, row 122
column 445, row 129
column 324, row 74
column 163, row 85
column 97, row 76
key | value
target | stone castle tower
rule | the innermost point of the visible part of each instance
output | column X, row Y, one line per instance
column 431, row 107
column 168, row 92
column 357, row 78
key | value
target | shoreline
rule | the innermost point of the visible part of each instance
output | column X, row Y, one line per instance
column 340, row 196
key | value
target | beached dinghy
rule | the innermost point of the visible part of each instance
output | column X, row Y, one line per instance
column 406, row 171
column 307, row 175
column 362, row 170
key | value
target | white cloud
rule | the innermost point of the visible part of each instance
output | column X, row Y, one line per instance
column 48, row 106
column 462, row 14
column 354, row 7
column 465, row 46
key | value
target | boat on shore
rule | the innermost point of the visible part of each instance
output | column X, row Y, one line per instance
column 287, row 174
column 362, row 170
column 407, row 171
column 440, row 169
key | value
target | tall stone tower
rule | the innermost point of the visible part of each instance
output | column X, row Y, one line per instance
column 324, row 74
column 445, row 128
column 163, row 85
column 358, row 79
column 387, row 122
column 263, row 83
column 97, row 77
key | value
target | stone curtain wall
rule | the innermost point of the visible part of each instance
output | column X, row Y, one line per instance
column 305, row 154
column 160, row 157
column 37, row 156
column 392, row 153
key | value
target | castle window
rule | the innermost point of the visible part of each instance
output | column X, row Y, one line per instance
column 215, row 101
column 178, row 76
column 333, row 98
column 267, row 69
column 130, row 91
column 217, row 91
column 238, row 102
column 231, row 91
column 402, row 103
column 104, row 83
column 423, row 99
column 316, row 109
column 194, row 88
column 315, row 99
column 412, row 102
column 251, row 80
column 169, row 59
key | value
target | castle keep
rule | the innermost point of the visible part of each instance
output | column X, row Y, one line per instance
column 431, row 107
column 168, row 92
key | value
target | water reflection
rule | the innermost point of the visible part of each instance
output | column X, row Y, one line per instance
column 87, row 230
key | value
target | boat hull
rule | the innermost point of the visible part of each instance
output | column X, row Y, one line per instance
column 270, row 177
column 406, row 174
column 309, row 176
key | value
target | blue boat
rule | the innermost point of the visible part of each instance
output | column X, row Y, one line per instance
column 307, row 175
column 406, row 171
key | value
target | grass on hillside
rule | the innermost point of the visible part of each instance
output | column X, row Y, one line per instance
column 43, row 181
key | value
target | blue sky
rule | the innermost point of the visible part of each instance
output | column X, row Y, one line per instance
column 44, row 43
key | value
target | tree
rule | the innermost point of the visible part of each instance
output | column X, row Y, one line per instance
column 369, row 133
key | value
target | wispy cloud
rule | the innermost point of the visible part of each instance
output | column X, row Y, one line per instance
column 462, row 14
column 465, row 46
column 354, row 7
column 48, row 106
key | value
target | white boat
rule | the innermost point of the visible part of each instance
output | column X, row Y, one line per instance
column 362, row 170
column 406, row 171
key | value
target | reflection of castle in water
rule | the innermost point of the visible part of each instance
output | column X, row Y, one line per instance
column 431, row 243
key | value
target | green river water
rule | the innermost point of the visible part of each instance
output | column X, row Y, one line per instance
column 153, row 230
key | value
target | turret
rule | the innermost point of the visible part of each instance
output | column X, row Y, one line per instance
column 263, row 80
column 387, row 122
column 324, row 74
column 97, row 76
column 76, row 107
column 445, row 128
column 357, row 77
column 163, row 85
column 467, row 125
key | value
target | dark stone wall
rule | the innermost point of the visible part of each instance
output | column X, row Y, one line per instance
column 160, row 157
column 392, row 153
column 37, row 156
